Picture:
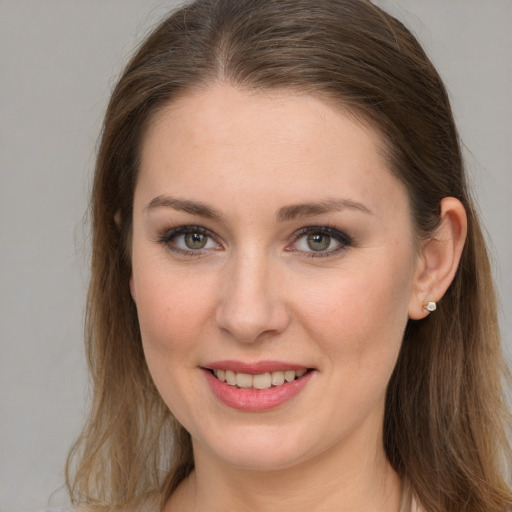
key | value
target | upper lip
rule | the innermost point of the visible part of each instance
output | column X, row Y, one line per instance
column 254, row 368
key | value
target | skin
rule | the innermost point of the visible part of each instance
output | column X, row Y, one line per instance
column 257, row 291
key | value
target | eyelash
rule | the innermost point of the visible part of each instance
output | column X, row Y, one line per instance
column 167, row 237
column 343, row 240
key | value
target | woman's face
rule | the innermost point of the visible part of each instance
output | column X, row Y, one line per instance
column 270, row 244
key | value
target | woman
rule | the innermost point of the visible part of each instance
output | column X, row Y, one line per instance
column 291, row 305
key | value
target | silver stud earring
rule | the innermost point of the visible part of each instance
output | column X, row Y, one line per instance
column 430, row 306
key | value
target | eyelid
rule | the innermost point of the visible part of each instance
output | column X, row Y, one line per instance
column 166, row 237
column 344, row 240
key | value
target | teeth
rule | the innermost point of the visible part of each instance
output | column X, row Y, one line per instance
column 262, row 381
column 243, row 380
column 277, row 378
column 259, row 381
column 230, row 378
column 289, row 376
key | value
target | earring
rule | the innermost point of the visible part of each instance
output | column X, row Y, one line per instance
column 430, row 306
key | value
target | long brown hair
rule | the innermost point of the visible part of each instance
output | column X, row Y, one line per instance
column 445, row 425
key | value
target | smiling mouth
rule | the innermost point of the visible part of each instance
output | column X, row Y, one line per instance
column 259, row 381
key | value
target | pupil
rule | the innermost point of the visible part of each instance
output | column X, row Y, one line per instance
column 195, row 240
column 319, row 242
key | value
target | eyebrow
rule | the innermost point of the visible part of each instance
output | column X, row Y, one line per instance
column 286, row 213
column 311, row 209
column 184, row 205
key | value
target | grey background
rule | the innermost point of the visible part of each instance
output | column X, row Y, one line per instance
column 58, row 62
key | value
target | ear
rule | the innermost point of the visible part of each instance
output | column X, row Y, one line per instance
column 132, row 289
column 439, row 258
column 117, row 221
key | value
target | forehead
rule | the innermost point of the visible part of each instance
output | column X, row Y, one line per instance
column 210, row 112
column 269, row 142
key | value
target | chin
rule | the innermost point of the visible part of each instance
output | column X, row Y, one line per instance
column 261, row 460
column 259, row 449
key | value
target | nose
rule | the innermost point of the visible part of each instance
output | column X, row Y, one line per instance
column 251, row 307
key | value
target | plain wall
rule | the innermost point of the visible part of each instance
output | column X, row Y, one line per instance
column 58, row 62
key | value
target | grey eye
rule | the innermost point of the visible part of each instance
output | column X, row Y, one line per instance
column 195, row 240
column 318, row 241
column 189, row 238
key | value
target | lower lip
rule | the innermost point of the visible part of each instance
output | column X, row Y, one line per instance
column 256, row 400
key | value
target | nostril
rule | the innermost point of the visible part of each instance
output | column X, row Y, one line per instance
column 255, row 322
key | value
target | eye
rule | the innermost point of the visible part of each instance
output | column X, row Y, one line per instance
column 195, row 240
column 191, row 240
column 320, row 241
column 315, row 242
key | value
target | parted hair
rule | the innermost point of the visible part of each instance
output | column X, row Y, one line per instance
column 446, row 423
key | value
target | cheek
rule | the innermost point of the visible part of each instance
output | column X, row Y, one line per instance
column 361, row 315
column 172, row 308
column 173, row 311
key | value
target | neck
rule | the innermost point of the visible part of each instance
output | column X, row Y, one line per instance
column 348, row 478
